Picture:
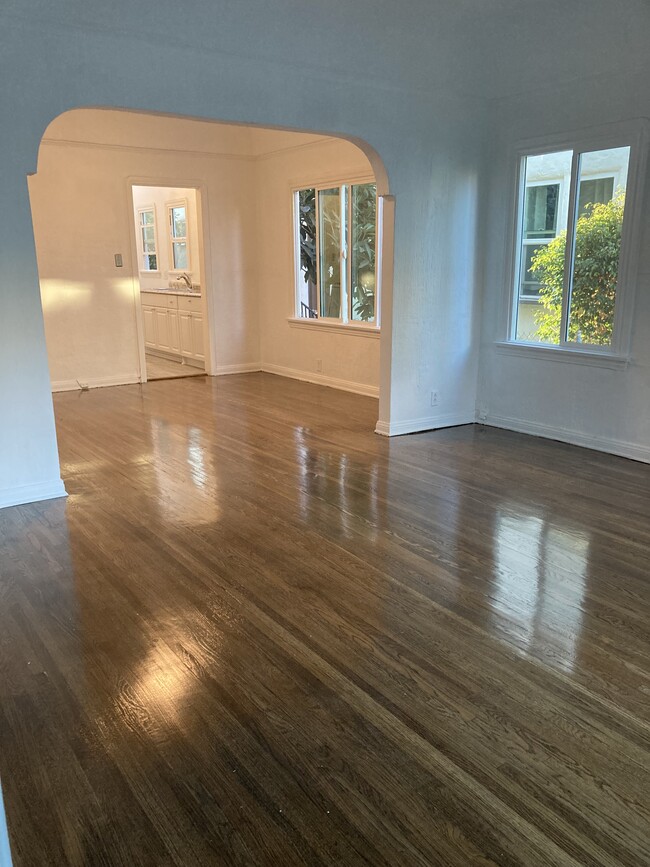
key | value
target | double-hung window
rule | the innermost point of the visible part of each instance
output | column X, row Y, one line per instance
column 336, row 253
column 572, row 247
column 147, row 237
column 177, row 219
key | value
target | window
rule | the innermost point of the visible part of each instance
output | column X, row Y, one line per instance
column 336, row 253
column 177, row 216
column 569, row 241
column 147, row 237
column 540, row 226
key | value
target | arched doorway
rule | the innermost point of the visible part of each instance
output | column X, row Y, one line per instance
column 90, row 259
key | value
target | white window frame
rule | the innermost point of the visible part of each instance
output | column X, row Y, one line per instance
column 178, row 203
column 344, row 322
column 141, row 251
column 636, row 136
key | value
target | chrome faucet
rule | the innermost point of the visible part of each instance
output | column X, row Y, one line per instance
column 186, row 279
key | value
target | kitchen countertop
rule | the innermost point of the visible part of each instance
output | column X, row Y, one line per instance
column 172, row 292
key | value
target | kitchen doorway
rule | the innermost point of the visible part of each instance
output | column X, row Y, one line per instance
column 171, row 309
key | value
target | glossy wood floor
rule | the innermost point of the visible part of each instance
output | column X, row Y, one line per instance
column 258, row 634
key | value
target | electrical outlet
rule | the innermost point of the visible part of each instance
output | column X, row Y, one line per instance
column 319, row 365
column 435, row 398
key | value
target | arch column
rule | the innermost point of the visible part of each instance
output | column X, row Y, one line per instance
column 29, row 463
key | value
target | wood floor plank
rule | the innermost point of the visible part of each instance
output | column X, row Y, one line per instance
column 257, row 633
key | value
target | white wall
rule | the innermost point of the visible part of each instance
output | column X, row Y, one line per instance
column 82, row 216
column 587, row 404
column 349, row 360
column 159, row 198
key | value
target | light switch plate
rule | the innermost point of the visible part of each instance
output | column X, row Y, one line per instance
column 118, row 260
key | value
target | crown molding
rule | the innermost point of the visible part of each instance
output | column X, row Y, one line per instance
column 223, row 155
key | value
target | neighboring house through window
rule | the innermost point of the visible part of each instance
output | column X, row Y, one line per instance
column 568, row 249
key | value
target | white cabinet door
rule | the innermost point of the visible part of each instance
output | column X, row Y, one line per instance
column 149, row 326
column 197, row 335
column 187, row 340
column 163, row 330
column 174, row 335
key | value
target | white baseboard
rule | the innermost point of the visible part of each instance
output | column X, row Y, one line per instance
column 31, row 493
column 228, row 369
column 418, row 425
column 602, row 444
column 96, row 382
column 322, row 379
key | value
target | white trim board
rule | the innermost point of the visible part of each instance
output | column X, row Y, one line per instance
column 33, row 493
column 340, row 327
column 419, row 425
column 229, row 369
column 322, row 379
column 96, row 382
column 185, row 152
column 601, row 444
column 226, row 370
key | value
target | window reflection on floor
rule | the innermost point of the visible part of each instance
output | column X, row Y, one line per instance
column 540, row 582
column 187, row 495
column 329, row 479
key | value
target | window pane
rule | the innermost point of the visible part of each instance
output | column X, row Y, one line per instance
column 363, row 246
column 150, row 262
column 179, row 223
column 180, row 255
column 595, row 191
column 597, row 246
column 306, row 229
column 529, row 285
column 543, row 223
column 329, row 206
column 148, row 235
column 146, row 218
column 540, row 219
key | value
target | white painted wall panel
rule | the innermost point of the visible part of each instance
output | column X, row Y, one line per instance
column 346, row 358
column 585, row 404
column 82, row 216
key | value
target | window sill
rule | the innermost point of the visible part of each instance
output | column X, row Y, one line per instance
column 562, row 353
column 340, row 327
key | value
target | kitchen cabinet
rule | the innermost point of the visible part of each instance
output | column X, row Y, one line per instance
column 190, row 324
column 173, row 325
column 149, row 321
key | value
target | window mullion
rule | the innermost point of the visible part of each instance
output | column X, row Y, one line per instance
column 346, row 225
column 519, row 249
column 318, row 256
column 569, row 252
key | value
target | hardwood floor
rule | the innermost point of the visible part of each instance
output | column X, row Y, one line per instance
column 258, row 634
